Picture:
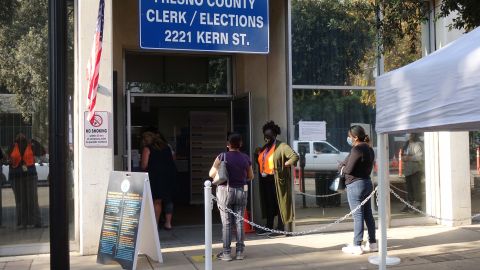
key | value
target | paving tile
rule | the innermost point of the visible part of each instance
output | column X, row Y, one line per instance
column 18, row 265
column 422, row 247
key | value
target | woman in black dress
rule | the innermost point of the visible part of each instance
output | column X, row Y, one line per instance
column 157, row 160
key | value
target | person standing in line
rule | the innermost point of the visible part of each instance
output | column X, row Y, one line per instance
column 24, row 179
column 358, row 166
column 275, row 160
column 157, row 160
column 413, row 170
column 233, row 194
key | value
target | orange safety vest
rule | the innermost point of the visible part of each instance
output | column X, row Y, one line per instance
column 265, row 160
column 28, row 156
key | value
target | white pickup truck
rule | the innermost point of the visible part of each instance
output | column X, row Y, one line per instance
column 319, row 155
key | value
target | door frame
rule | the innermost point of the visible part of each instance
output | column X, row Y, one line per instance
column 128, row 116
column 250, row 137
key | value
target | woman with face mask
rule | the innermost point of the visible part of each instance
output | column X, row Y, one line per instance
column 275, row 159
column 357, row 169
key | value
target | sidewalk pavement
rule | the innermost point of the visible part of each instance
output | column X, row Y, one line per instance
column 419, row 247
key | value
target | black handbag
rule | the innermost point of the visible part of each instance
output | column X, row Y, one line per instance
column 338, row 184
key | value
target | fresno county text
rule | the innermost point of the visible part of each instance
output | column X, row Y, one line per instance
column 205, row 25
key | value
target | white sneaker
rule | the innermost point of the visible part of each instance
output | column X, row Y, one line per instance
column 354, row 250
column 370, row 247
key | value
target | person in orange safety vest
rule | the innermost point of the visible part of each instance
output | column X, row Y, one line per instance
column 24, row 179
column 275, row 160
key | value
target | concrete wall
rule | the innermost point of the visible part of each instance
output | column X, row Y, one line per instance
column 93, row 165
column 447, row 171
column 265, row 76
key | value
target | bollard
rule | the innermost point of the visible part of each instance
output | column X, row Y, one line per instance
column 400, row 163
column 208, row 224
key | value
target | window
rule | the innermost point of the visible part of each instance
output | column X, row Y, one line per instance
column 323, row 148
column 168, row 74
column 304, row 146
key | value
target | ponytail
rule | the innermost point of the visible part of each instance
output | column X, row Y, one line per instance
column 367, row 139
column 359, row 132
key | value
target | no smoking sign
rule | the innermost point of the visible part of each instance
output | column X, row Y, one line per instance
column 97, row 132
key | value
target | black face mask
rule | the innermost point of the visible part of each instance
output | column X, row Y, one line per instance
column 269, row 137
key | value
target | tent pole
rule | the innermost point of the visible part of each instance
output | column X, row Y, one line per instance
column 382, row 260
column 382, row 198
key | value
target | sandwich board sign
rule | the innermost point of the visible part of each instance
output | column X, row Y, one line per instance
column 129, row 227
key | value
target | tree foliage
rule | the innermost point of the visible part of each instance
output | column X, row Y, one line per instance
column 329, row 40
column 401, row 20
column 468, row 13
column 24, row 54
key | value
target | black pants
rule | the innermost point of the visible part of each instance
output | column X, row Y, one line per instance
column 414, row 187
column 271, row 201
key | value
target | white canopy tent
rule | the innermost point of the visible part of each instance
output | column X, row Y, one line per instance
column 440, row 92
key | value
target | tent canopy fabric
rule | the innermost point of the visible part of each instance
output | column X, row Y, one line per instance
column 440, row 92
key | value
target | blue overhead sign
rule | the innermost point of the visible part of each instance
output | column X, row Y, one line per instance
column 205, row 25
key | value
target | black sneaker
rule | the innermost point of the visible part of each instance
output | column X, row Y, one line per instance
column 262, row 232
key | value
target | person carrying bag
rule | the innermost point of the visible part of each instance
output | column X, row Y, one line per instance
column 231, row 171
column 222, row 173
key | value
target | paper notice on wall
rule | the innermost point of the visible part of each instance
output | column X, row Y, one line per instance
column 312, row 130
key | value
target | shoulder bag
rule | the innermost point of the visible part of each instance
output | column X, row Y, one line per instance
column 338, row 184
column 222, row 173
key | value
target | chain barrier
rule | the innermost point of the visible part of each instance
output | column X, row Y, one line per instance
column 318, row 196
column 317, row 230
column 398, row 189
column 428, row 215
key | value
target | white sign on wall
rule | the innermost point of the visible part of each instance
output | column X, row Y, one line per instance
column 312, row 130
column 97, row 133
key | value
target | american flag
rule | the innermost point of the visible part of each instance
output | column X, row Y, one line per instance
column 93, row 65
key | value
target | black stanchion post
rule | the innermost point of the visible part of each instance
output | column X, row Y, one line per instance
column 59, row 242
column 302, row 175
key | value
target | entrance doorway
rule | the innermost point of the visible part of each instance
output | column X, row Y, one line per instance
column 196, row 128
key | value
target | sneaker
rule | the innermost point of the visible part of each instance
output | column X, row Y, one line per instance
column 354, row 250
column 262, row 232
column 224, row 257
column 239, row 256
column 370, row 247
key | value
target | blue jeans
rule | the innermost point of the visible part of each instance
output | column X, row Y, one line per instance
column 357, row 192
column 236, row 200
